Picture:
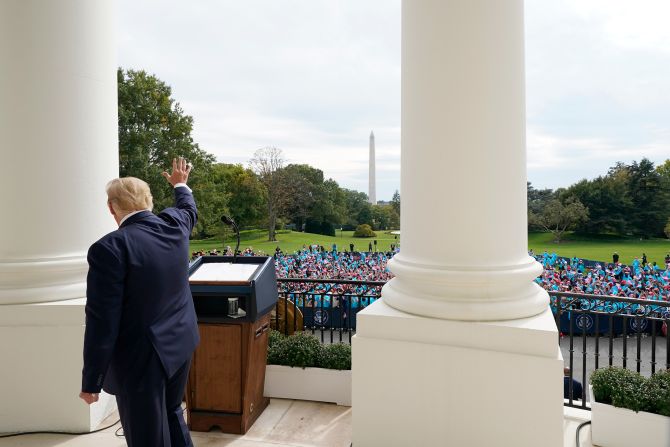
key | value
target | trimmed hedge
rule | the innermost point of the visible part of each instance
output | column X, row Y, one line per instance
column 627, row 389
column 305, row 351
column 364, row 230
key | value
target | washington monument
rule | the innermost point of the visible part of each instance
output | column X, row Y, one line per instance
column 372, row 190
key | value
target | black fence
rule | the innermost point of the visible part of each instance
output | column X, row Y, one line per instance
column 599, row 331
column 594, row 331
column 325, row 307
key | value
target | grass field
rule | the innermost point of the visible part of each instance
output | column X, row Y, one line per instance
column 290, row 241
column 600, row 248
column 597, row 248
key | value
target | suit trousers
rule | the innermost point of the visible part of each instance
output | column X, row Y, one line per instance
column 152, row 416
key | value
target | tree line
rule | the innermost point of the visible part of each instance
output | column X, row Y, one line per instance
column 630, row 200
column 153, row 129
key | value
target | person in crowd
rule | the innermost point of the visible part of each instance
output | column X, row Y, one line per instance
column 577, row 389
column 141, row 327
column 615, row 258
column 600, row 279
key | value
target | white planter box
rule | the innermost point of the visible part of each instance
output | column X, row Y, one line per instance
column 317, row 384
column 620, row 427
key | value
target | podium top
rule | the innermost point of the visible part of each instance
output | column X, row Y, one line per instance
column 222, row 273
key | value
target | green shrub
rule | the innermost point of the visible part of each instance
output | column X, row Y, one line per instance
column 301, row 350
column 304, row 351
column 657, row 393
column 622, row 388
column 364, row 230
column 276, row 348
column 619, row 387
column 335, row 356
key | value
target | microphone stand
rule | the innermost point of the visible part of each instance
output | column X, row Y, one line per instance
column 230, row 222
column 237, row 247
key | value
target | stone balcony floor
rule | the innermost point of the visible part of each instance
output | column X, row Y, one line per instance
column 284, row 423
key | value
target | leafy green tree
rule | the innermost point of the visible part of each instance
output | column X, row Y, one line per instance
column 153, row 129
column 650, row 198
column 330, row 203
column 244, row 192
column 664, row 169
column 537, row 200
column 384, row 217
column 301, row 186
column 358, row 209
column 608, row 202
column 364, row 230
column 267, row 163
column 558, row 216
column 395, row 203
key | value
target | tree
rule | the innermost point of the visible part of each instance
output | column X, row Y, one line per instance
column 537, row 200
column 301, row 186
column 664, row 169
column 608, row 202
column 358, row 209
column 384, row 217
column 650, row 199
column 559, row 216
column 245, row 194
column 395, row 202
column 153, row 129
column 267, row 163
column 364, row 230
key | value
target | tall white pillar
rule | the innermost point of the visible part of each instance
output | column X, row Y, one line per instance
column 372, row 179
column 58, row 121
column 462, row 349
column 464, row 223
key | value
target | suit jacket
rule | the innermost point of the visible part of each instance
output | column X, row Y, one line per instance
column 139, row 303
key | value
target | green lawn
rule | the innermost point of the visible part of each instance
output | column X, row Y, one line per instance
column 290, row 241
column 598, row 248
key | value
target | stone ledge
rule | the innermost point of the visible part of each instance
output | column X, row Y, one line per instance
column 380, row 320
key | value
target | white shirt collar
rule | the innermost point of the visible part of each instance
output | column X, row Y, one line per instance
column 131, row 214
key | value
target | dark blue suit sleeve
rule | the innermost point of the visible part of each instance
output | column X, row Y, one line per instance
column 184, row 212
column 104, row 293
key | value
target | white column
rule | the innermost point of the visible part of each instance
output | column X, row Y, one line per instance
column 463, row 220
column 462, row 348
column 58, row 124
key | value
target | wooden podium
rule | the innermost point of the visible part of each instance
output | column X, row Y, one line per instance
column 225, row 384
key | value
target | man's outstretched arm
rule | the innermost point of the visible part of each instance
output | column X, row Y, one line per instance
column 183, row 198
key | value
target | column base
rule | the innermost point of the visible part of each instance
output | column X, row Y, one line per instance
column 41, row 350
column 474, row 293
column 427, row 381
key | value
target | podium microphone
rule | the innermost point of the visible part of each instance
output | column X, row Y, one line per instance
column 231, row 223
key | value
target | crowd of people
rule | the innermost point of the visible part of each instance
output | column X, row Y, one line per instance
column 640, row 279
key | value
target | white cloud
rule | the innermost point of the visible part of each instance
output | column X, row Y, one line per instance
column 555, row 161
column 314, row 77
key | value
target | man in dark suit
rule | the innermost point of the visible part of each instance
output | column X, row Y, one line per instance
column 577, row 389
column 141, row 327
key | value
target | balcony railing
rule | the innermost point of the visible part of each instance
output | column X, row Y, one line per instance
column 325, row 307
column 595, row 331
column 599, row 331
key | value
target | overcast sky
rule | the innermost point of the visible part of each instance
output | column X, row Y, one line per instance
column 314, row 77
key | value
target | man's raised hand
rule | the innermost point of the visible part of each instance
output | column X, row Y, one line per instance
column 180, row 171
